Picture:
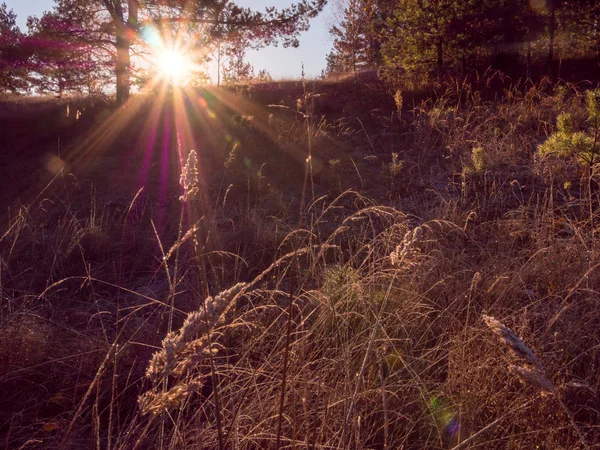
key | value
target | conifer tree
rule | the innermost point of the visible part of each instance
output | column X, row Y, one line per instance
column 58, row 64
column 355, row 46
column 117, row 26
column 14, row 57
column 236, row 69
column 425, row 37
column 577, row 22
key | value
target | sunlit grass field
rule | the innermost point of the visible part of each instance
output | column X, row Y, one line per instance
column 300, row 265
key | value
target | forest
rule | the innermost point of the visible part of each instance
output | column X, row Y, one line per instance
column 418, row 40
column 399, row 252
column 84, row 47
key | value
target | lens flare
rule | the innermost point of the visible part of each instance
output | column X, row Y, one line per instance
column 444, row 416
column 151, row 35
column 173, row 66
column 537, row 5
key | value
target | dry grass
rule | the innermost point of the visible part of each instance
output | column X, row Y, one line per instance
column 437, row 305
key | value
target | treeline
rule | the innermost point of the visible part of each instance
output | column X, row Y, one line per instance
column 50, row 57
column 94, row 45
column 414, row 40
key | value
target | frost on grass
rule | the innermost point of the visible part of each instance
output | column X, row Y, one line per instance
column 182, row 351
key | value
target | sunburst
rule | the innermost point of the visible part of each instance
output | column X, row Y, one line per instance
column 174, row 66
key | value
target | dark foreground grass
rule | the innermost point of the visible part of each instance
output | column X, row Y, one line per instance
column 377, row 279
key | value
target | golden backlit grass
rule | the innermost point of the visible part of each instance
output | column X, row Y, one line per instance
column 423, row 300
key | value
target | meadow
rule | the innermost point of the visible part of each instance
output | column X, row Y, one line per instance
column 302, row 265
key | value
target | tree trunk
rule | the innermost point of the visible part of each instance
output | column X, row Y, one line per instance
column 219, row 64
column 125, row 33
column 551, row 33
column 122, row 71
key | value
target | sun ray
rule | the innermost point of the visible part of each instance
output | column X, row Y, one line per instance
column 151, row 128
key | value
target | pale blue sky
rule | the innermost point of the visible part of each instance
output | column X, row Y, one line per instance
column 280, row 62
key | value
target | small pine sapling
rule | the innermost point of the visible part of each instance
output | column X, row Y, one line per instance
column 583, row 145
column 478, row 158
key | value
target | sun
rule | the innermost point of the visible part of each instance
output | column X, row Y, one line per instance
column 174, row 66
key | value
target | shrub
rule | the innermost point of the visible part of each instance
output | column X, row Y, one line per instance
column 582, row 144
column 478, row 158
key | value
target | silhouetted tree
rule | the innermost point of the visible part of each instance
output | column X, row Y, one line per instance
column 224, row 47
column 14, row 55
column 117, row 26
column 236, row 69
column 60, row 62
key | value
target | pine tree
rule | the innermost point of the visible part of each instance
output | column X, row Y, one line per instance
column 418, row 38
column 427, row 37
column 236, row 69
column 223, row 48
column 117, row 26
column 577, row 23
column 355, row 46
column 335, row 65
column 14, row 56
column 59, row 65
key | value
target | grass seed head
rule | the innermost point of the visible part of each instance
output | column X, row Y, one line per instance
column 533, row 376
column 515, row 343
column 178, row 348
column 189, row 177
column 157, row 402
